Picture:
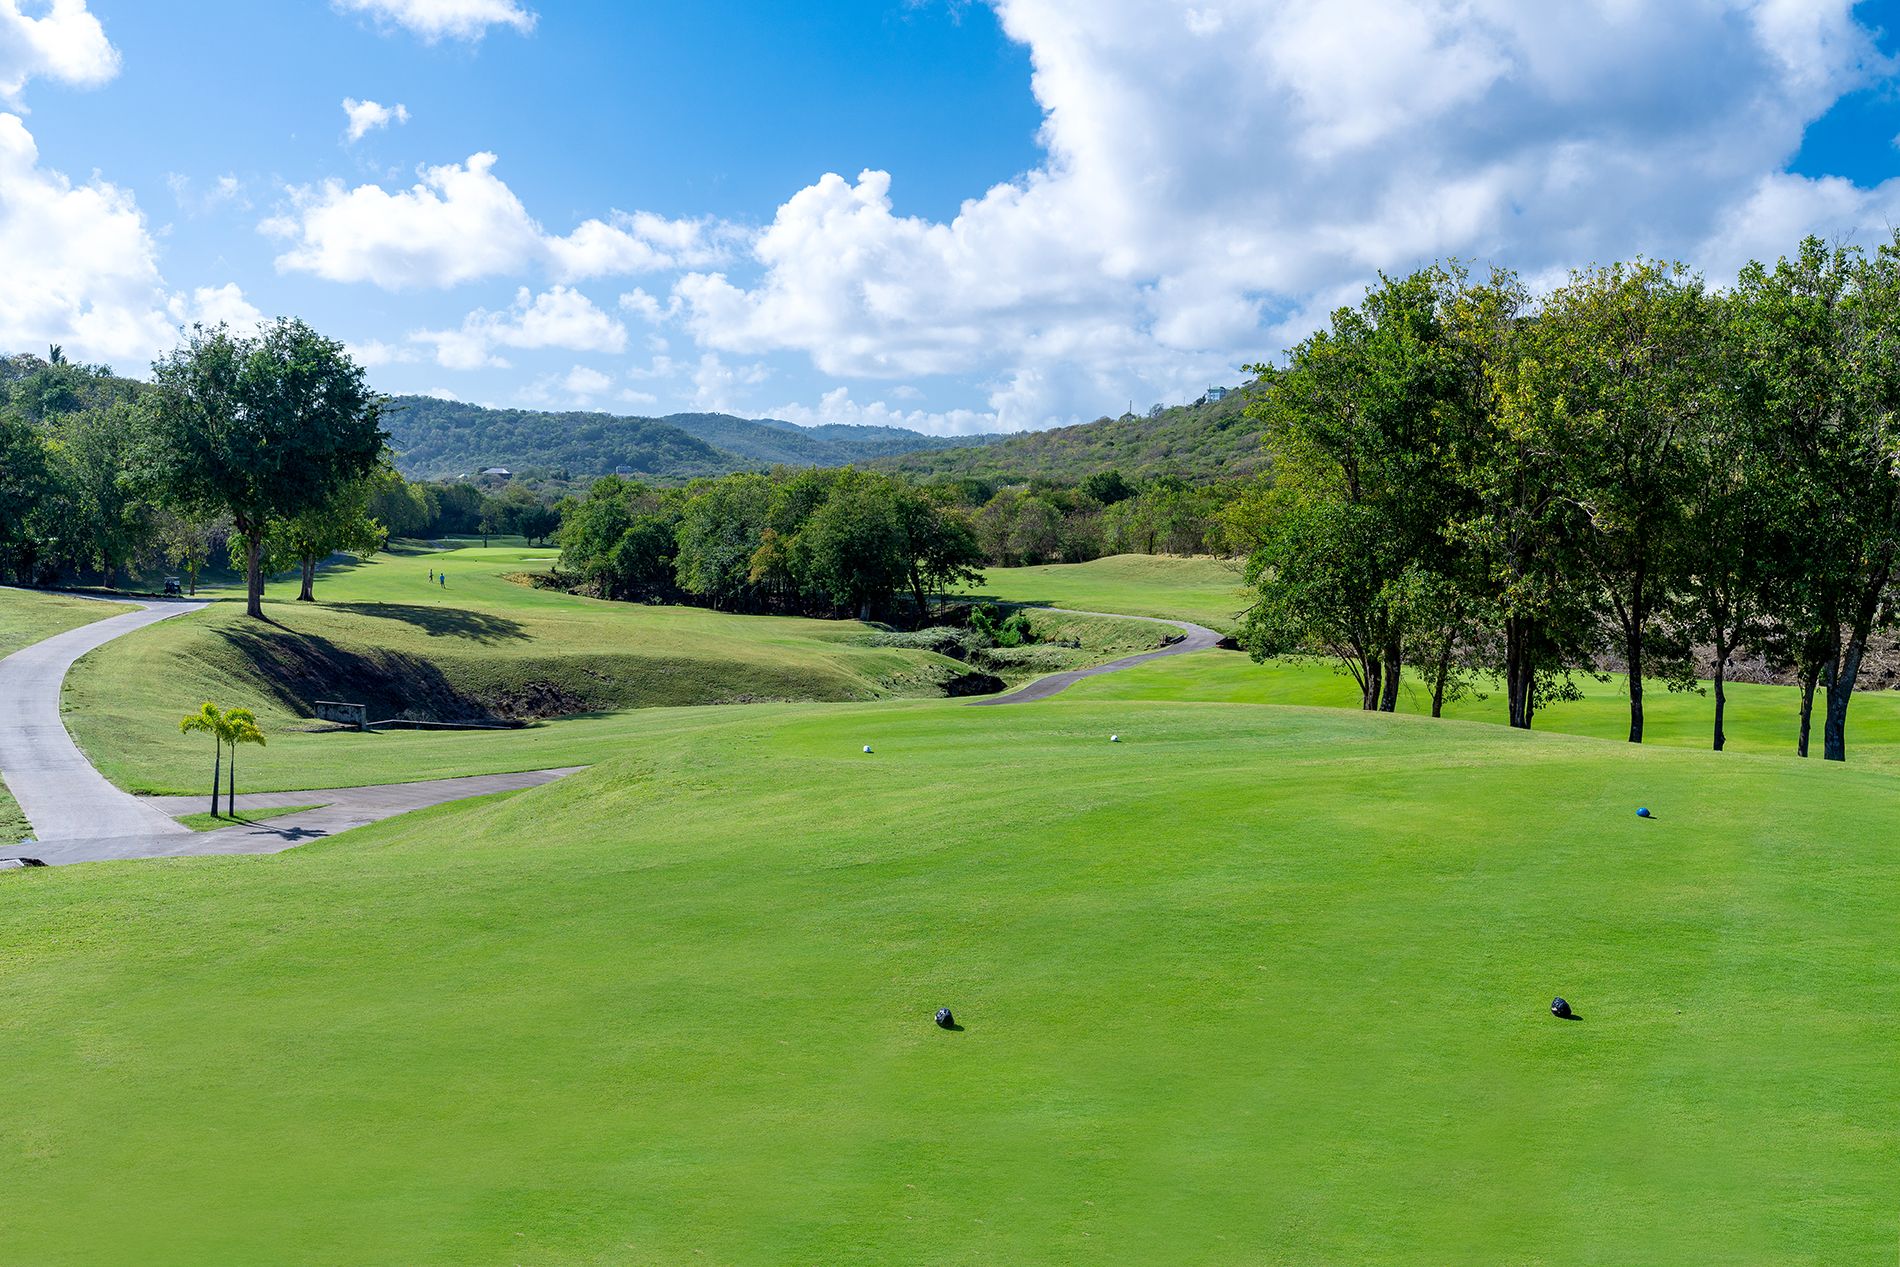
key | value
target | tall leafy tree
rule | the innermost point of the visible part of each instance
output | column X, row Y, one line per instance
column 720, row 530
column 343, row 522
column 1821, row 342
column 1614, row 374
column 940, row 549
column 25, row 477
column 1730, row 531
column 112, row 516
column 1514, row 531
column 261, row 428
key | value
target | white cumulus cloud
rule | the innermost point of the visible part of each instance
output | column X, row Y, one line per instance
column 216, row 305
column 557, row 318
column 460, row 222
column 1217, row 176
column 64, row 42
column 367, row 116
column 445, row 19
column 78, row 266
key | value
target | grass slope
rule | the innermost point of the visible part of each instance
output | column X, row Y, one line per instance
column 1204, row 590
column 1761, row 719
column 385, row 635
column 26, row 617
column 1253, row 986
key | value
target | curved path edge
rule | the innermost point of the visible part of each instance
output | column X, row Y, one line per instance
column 59, row 790
column 1199, row 638
column 79, row 816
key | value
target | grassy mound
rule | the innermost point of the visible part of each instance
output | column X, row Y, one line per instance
column 385, row 635
column 1254, row 985
column 1206, row 591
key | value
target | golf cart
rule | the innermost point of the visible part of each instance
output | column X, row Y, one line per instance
column 171, row 587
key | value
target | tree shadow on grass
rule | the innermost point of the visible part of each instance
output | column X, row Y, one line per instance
column 297, row 669
column 442, row 622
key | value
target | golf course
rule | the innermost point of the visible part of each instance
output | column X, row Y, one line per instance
column 1266, row 980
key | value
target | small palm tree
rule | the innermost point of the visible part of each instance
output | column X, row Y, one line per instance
column 209, row 720
column 240, row 727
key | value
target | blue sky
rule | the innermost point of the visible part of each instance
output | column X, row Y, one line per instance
column 953, row 216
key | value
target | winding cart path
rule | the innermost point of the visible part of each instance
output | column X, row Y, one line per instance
column 79, row 816
column 1198, row 638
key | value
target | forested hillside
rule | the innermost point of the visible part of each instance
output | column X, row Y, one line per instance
column 1201, row 441
column 437, row 439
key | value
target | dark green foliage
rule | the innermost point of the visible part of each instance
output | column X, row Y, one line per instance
column 443, row 439
column 1199, row 442
column 819, row 542
column 1012, row 630
column 260, row 428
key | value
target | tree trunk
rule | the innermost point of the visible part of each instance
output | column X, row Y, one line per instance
column 217, row 774
column 923, row 607
column 1810, row 673
column 308, row 593
column 1519, row 674
column 230, row 796
column 1633, row 651
column 1846, row 667
column 1389, row 697
column 1444, row 675
column 1721, row 696
column 254, row 573
column 1369, row 682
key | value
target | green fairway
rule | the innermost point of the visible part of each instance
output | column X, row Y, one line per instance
column 28, row 616
column 1206, row 591
column 1761, row 719
column 1255, row 985
column 385, row 635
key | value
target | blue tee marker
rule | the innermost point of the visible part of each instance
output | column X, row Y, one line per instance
column 1644, row 813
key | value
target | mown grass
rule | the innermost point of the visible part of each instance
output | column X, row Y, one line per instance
column 208, row 821
column 1759, row 719
column 1256, row 985
column 383, row 633
column 1204, row 590
column 29, row 616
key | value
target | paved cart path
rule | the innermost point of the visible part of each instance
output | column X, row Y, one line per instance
column 62, row 795
column 1198, row 638
column 79, row 816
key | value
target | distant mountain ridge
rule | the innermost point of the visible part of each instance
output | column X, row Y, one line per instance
column 441, row 439
column 1209, row 439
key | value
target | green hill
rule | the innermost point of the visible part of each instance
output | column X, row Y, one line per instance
column 485, row 646
column 437, row 439
column 1201, row 441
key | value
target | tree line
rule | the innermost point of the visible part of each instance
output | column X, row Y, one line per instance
column 269, row 444
column 1474, row 482
column 826, row 542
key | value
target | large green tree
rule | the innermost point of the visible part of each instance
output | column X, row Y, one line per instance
column 1821, row 342
column 261, row 428
column 1612, row 376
